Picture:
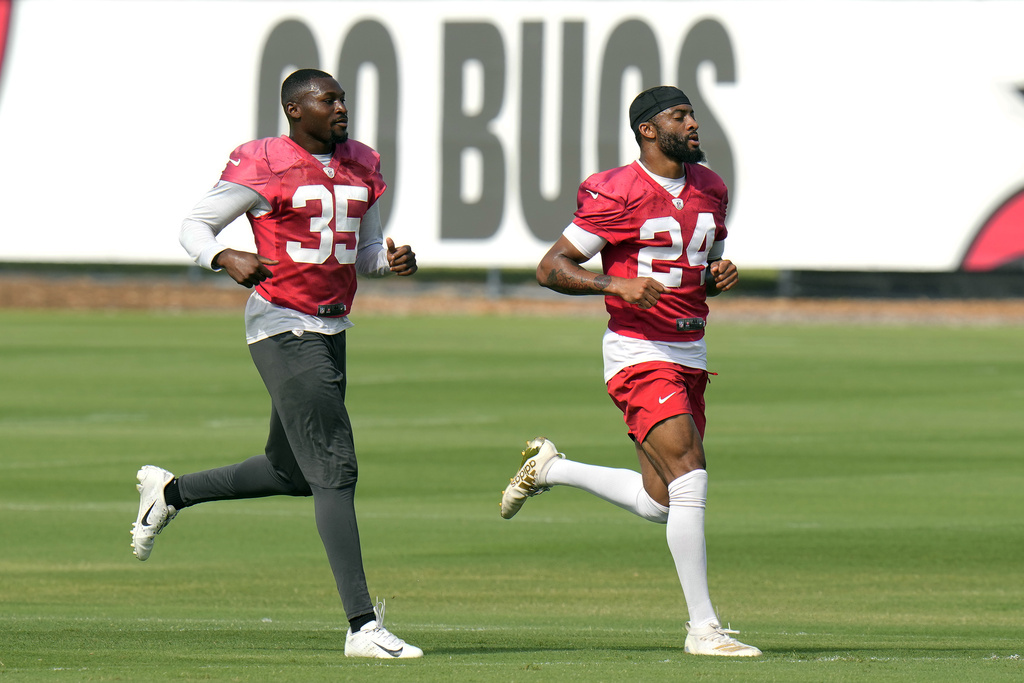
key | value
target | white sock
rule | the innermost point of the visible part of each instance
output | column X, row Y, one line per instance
column 687, row 497
column 621, row 487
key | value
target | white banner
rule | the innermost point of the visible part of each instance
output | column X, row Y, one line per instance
column 853, row 135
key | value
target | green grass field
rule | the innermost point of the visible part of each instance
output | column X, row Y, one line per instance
column 865, row 520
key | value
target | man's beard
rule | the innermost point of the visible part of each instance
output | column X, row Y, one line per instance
column 678, row 149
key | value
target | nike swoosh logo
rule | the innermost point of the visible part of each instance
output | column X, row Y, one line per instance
column 236, row 163
column 145, row 517
column 662, row 400
column 393, row 653
column 593, row 194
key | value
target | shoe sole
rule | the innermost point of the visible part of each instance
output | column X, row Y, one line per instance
column 734, row 649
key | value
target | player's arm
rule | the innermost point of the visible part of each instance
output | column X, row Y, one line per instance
column 561, row 270
column 722, row 274
column 373, row 258
column 198, row 235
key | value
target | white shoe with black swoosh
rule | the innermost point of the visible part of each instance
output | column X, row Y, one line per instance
column 376, row 642
column 154, row 512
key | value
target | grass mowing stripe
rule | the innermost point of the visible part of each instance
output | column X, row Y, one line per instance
column 863, row 523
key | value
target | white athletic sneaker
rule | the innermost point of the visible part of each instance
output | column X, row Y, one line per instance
column 154, row 512
column 715, row 640
column 376, row 642
column 529, row 480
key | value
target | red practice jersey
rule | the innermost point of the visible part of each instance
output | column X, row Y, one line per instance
column 650, row 233
column 312, row 227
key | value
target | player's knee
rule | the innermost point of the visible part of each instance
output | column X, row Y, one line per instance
column 301, row 488
column 650, row 509
column 292, row 481
column 341, row 478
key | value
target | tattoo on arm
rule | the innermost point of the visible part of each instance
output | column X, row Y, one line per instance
column 563, row 280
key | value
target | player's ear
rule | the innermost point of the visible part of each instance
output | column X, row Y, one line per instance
column 647, row 130
column 293, row 111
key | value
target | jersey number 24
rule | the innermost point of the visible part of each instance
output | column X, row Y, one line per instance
column 696, row 251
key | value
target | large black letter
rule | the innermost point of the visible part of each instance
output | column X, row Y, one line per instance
column 546, row 217
column 631, row 44
column 708, row 41
column 290, row 44
column 465, row 42
column 368, row 42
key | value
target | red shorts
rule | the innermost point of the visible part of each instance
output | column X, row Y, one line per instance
column 648, row 393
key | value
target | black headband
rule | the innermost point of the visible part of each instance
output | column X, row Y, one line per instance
column 652, row 102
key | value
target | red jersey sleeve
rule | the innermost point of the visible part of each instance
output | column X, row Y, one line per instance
column 599, row 208
column 249, row 165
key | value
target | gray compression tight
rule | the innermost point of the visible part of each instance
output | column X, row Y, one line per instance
column 334, row 510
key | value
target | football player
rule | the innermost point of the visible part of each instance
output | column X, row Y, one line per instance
column 659, row 226
column 311, row 199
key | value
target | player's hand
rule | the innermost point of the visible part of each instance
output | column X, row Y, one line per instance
column 401, row 259
column 642, row 291
column 724, row 275
column 245, row 268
